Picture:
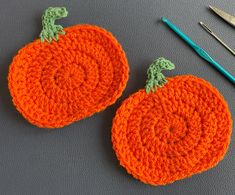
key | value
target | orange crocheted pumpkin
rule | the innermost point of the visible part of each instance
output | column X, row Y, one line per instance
column 171, row 130
column 76, row 72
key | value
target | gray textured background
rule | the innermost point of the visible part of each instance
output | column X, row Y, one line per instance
column 79, row 159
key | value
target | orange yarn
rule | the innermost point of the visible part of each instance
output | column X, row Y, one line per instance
column 55, row 84
column 182, row 129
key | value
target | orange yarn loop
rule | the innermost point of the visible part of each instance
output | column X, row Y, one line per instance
column 182, row 129
column 55, row 84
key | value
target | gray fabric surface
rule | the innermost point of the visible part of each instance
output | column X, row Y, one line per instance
column 79, row 159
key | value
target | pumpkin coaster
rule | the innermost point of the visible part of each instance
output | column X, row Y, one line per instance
column 171, row 130
column 69, row 74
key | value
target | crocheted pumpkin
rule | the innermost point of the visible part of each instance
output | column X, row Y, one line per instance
column 69, row 74
column 171, row 130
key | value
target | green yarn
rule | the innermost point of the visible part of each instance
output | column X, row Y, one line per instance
column 155, row 77
column 50, row 30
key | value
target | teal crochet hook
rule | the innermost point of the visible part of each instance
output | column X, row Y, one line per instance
column 199, row 50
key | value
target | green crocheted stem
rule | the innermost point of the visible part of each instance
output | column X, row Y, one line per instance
column 155, row 77
column 50, row 30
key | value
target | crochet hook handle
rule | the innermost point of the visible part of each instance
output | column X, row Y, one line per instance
column 202, row 53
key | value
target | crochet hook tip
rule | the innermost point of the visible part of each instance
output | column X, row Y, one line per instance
column 163, row 19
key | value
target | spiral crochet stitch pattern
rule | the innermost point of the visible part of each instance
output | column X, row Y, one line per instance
column 76, row 72
column 181, row 129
